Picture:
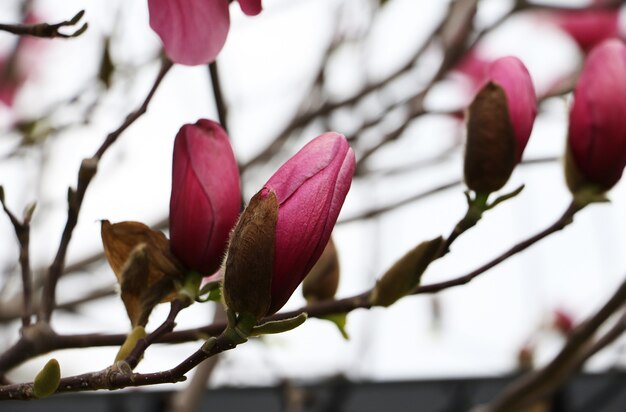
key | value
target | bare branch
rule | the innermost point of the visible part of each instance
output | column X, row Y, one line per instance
column 86, row 172
column 47, row 30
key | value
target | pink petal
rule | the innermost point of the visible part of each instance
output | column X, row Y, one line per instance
column 206, row 195
column 589, row 28
column 251, row 7
column 597, row 130
column 193, row 31
column 511, row 74
column 310, row 188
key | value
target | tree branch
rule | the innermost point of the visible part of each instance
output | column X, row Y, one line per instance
column 47, row 30
column 537, row 385
column 86, row 172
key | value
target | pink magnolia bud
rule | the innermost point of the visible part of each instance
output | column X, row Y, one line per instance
column 591, row 27
column 286, row 226
column 597, row 130
column 206, row 196
column 511, row 74
column 251, row 7
column 194, row 31
column 500, row 120
column 310, row 188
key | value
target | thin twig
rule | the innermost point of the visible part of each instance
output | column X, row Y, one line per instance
column 561, row 223
column 166, row 327
column 86, row 172
column 47, row 30
column 220, row 103
column 22, row 231
column 537, row 385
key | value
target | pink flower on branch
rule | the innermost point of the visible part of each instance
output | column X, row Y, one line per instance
column 206, row 195
column 286, row 226
column 591, row 27
column 597, row 128
column 194, row 31
column 511, row 74
column 500, row 120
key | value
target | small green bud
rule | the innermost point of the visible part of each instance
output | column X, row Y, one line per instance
column 405, row 275
column 47, row 380
column 279, row 326
column 129, row 344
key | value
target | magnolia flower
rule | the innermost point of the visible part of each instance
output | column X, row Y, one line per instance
column 206, row 196
column 500, row 121
column 286, row 226
column 590, row 27
column 194, row 31
column 597, row 130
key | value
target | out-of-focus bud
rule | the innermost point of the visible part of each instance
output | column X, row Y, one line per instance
column 308, row 192
column 591, row 27
column 499, row 124
column 597, row 133
column 526, row 358
column 206, row 196
column 322, row 281
column 194, row 31
column 405, row 275
column 563, row 322
column 47, row 380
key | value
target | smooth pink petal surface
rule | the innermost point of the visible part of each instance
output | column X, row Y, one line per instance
column 597, row 129
column 511, row 74
column 193, row 31
column 591, row 27
column 206, row 195
column 251, row 7
column 310, row 188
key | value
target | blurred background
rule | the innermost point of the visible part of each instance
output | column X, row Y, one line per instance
column 388, row 75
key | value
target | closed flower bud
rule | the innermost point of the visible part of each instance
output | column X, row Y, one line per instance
column 47, row 380
column 193, row 32
column 250, row 259
column 597, row 132
column 322, row 281
column 309, row 190
column 206, row 196
column 591, row 27
column 499, row 124
column 405, row 275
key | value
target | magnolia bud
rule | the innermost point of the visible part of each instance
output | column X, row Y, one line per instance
column 405, row 275
column 206, row 196
column 322, row 281
column 250, row 259
column 500, row 121
column 307, row 193
column 47, row 380
column 591, row 27
column 596, row 153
